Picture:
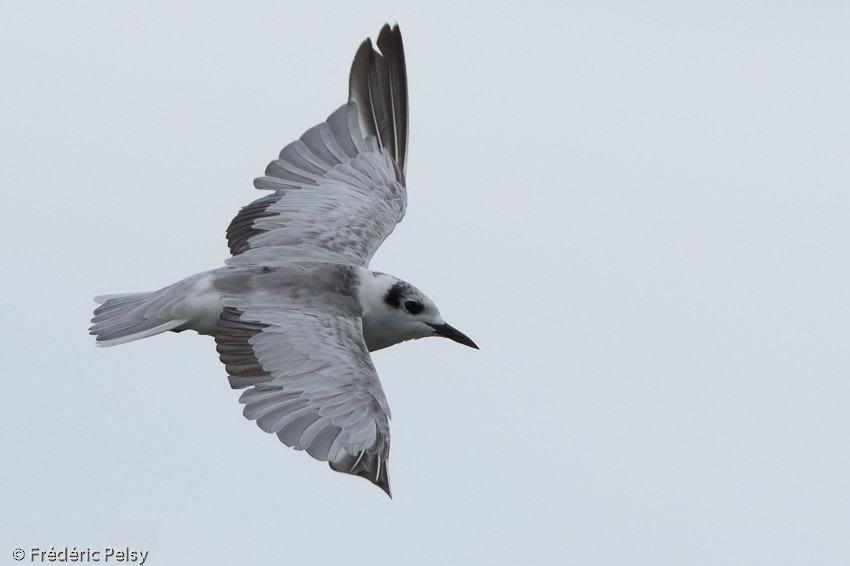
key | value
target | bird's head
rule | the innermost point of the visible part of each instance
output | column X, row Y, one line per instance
column 395, row 311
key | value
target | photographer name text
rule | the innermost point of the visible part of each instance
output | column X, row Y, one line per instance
column 74, row 554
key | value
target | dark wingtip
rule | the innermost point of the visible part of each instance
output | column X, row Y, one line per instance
column 381, row 479
column 385, row 485
column 389, row 34
column 368, row 465
column 378, row 84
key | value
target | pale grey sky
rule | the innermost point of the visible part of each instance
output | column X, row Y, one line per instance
column 640, row 213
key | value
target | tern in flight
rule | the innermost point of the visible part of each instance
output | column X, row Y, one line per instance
column 296, row 310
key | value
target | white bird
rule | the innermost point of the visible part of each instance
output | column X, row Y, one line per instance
column 295, row 311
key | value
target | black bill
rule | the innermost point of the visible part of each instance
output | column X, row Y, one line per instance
column 452, row 333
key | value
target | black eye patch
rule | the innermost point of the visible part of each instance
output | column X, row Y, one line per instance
column 413, row 307
column 393, row 296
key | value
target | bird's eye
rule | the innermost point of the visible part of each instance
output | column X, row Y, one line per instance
column 413, row 307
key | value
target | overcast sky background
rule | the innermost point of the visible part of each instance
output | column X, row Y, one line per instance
column 641, row 215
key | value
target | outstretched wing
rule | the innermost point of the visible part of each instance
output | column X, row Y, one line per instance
column 293, row 337
column 339, row 190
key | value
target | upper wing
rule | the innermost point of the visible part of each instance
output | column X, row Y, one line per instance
column 378, row 84
column 294, row 337
column 339, row 190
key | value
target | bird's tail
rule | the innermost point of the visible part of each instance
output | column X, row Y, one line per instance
column 129, row 316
